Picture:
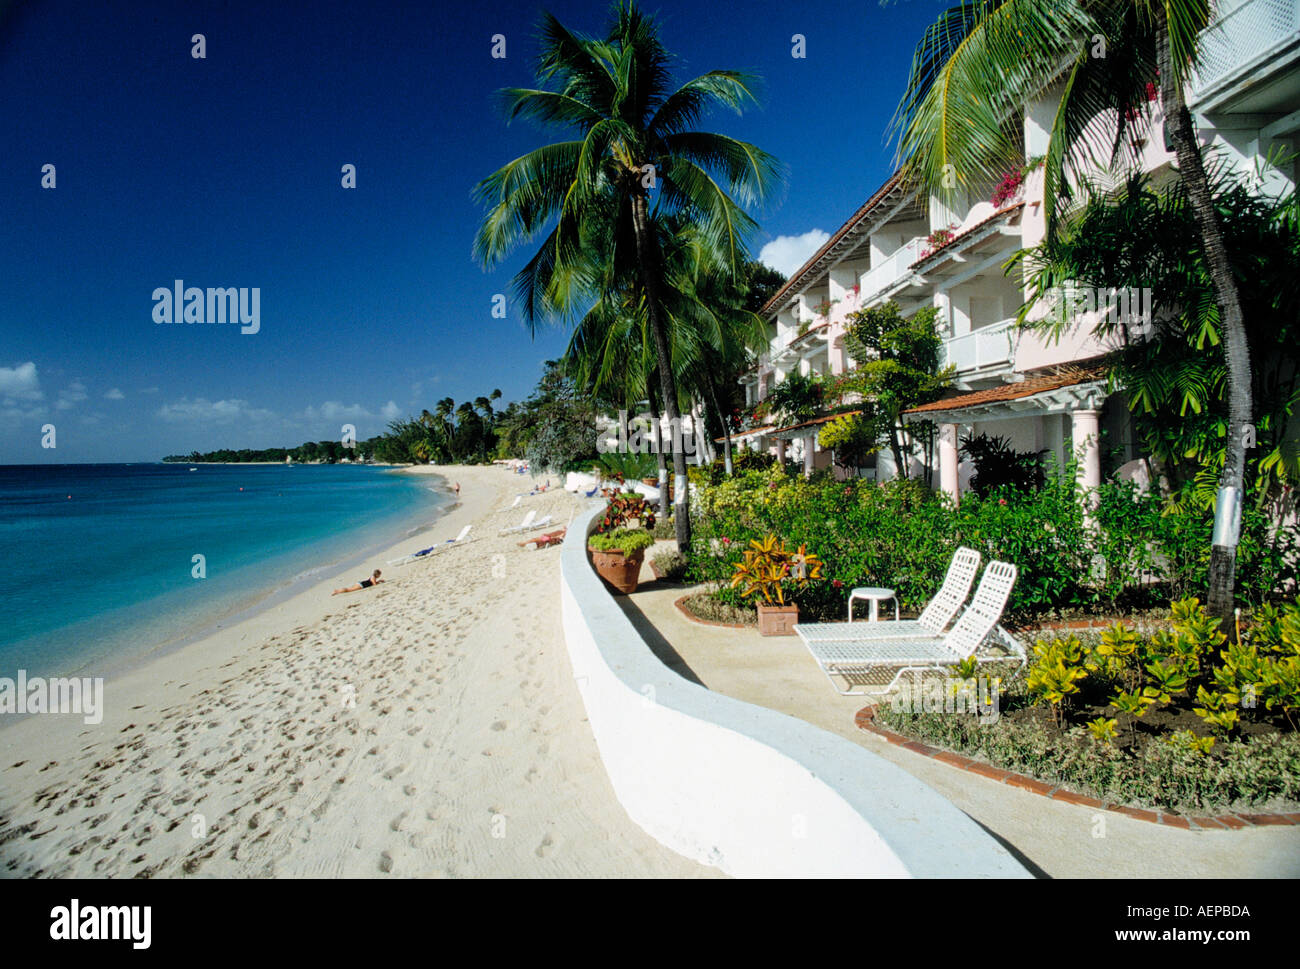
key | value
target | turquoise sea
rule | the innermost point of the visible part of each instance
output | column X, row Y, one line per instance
column 99, row 564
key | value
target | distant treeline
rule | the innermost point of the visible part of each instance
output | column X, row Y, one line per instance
column 324, row 452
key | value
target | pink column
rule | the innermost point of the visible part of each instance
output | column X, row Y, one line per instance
column 1086, row 435
column 948, row 461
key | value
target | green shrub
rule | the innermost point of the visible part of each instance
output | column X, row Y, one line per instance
column 625, row 540
column 672, row 565
column 1141, row 553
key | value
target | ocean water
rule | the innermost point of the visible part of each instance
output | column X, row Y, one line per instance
column 98, row 560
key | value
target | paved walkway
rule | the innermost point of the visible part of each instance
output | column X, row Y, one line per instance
column 1053, row 839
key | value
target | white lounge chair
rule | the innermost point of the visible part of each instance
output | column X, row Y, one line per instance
column 860, row 655
column 934, row 618
column 425, row 552
column 523, row 525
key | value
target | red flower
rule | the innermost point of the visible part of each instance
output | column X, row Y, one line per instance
column 837, row 584
column 1002, row 501
column 725, row 540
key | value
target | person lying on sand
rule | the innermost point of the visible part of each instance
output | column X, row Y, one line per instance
column 548, row 538
column 363, row 584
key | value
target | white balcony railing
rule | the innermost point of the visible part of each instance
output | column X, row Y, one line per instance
column 985, row 347
column 1243, row 35
column 890, row 269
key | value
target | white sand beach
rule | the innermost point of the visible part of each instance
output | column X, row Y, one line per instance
column 429, row 727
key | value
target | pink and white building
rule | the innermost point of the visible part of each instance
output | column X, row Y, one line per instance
column 1041, row 395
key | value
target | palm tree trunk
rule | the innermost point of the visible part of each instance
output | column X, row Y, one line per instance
column 726, row 428
column 648, row 256
column 1227, row 517
column 659, row 453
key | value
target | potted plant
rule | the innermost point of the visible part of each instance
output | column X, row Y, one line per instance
column 618, row 545
column 768, row 565
column 617, row 556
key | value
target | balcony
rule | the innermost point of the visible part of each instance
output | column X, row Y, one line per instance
column 986, row 348
column 1245, row 36
column 891, row 268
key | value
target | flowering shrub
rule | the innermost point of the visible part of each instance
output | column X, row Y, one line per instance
column 937, row 239
column 625, row 508
column 1141, row 554
column 1008, row 188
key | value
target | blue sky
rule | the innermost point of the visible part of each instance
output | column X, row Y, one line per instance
column 225, row 172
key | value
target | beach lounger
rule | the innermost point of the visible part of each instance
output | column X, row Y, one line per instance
column 540, row 523
column 424, row 552
column 523, row 526
column 861, row 656
column 934, row 618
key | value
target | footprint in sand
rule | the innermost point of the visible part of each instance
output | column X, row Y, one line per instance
column 544, row 847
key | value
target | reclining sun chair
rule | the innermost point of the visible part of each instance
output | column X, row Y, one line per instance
column 939, row 611
column 424, row 552
column 850, row 650
column 523, row 525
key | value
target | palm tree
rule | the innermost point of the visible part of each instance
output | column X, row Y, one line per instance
column 635, row 155
column 954, row 130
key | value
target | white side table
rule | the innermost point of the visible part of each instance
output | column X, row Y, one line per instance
column 875, row 596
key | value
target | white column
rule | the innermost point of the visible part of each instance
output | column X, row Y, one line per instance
column 780, row 449
column 1085, row 431
column 948, row 460
column 809, row 443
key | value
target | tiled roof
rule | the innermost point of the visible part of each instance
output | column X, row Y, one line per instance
column 968, row 232
column 1026, row 388
column 799, row 276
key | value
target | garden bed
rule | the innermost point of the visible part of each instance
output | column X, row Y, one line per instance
column 1180, row 719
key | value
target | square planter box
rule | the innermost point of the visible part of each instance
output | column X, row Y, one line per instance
column 777, row 620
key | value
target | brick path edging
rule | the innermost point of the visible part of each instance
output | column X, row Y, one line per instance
column 866, row 717
column 681, row 607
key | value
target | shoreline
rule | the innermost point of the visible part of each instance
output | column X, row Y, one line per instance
column 253, row 604
column 395, row 731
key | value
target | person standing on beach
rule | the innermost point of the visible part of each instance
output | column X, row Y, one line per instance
column 363, row 584
column 457, row 487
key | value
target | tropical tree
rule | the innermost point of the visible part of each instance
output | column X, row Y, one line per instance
column 898, row 368
column 1174, row 372
column 636, row 154
column 956, row 128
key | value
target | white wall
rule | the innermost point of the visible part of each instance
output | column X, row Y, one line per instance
column 749, row 790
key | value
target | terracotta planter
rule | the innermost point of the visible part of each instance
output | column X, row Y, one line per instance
column 777, row 620
column 618, row 570
column 652, row 482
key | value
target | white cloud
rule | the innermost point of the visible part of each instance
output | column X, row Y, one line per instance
column 202, row 410
column 114, row 394
column 71, row 395
column 332, row 410
column 20, row 383
column 785, row 254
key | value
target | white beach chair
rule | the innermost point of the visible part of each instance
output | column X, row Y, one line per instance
column 523, row 525
column 426, row 552
column 540, row 523
column 934, row 618
column 861, row 655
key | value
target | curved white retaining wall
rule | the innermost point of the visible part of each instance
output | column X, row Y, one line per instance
column 745, row 788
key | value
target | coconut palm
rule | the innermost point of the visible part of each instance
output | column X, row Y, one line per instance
column 955, row 130
column 635, row 153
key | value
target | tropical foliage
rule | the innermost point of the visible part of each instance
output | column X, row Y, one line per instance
column 1134, row 554
column 600, row 198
